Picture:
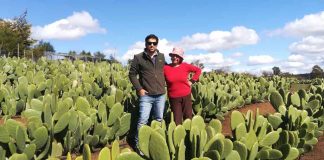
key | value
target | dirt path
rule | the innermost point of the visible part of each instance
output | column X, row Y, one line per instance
column 317, row 153
column 264, row 109
column 22, row 121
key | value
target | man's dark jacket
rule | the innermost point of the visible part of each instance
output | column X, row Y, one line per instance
column 151, row 76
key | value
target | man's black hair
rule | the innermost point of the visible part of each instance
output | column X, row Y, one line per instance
column 151, row 36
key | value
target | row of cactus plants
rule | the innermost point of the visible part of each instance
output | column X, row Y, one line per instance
column 113, row 153
column 66, row 130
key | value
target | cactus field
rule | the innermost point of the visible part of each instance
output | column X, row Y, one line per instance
column 66, row 109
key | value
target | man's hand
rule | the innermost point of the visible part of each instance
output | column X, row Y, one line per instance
column 142, row 92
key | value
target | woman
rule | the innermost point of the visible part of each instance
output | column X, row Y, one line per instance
column 179, row 92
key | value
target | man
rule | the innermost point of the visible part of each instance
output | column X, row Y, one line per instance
column 150, row 86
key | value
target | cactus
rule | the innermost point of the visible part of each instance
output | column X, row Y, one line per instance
column 115, row 112
column 57, row 149
column 277, row 102
column 86, row 152
column 36, row 104
column 20, row 138
column 2, row 153
column 87, row 123
column 128, row 156
column 179, row 133
column 236, row 119
column 119, row 96
column 11, row 126
column 198, row 122
column 30, row 151
column 4, row 135
column 270, row 139
column 171, row 128
column 17, row 156
column 263, row 154
column 41, row 137
column 144, row 135
column 289, row 152
column 83, row 105
column 74, row 121
column 251, row 138
column 203, row 138
column 210, row 145
column 275, row 121
column 181, row 151
column 62, row 122
column 45, row 150
column 212, row 154
column 47, row 115
column 274, row 154
column 216, row 124
column 115, row 150
column 187, row 124
column 254, row 151
column 234, row 155
column 104, row 154
column 240, row 131
column 158, row 148
column 210, row 132
column 241, row 149
column 110, row 101
column 125, row 121
column 295, row 100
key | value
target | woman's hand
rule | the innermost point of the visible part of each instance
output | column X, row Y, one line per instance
column 190, row 83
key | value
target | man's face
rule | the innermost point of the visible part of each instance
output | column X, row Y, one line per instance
column 151, row 45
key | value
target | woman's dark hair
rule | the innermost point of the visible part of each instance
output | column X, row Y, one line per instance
column 181, row 60
column 151, row 36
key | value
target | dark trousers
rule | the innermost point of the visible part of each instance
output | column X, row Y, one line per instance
column 181, row 108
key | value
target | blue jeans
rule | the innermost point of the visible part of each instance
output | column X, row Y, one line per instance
column 146, row 103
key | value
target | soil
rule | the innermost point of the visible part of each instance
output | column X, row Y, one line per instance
column 264, row 109
column 316, row 153
column 21, row 120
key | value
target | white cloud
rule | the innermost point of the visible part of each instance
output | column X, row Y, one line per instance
column 295, row 64
column 312, row 24
column 295, row 58
column 308, row 45
column 72, row 27
column 237, row 54
column 260, row 59
column 212, row 60
column 220, row 40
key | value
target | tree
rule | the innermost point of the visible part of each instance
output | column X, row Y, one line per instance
column 41, row 48
column 198, row 64
column 8, row 38
column 72, row 53
column 15, row 35
column 85, row 54
column 317, row 72
column 112, row 59
column 266, row 73
column 276, row 70
column 47, row 46
column 99, row 55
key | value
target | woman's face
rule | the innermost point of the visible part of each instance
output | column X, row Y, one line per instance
column 175, row 59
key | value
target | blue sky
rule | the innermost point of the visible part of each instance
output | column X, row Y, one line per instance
column 243, row 36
